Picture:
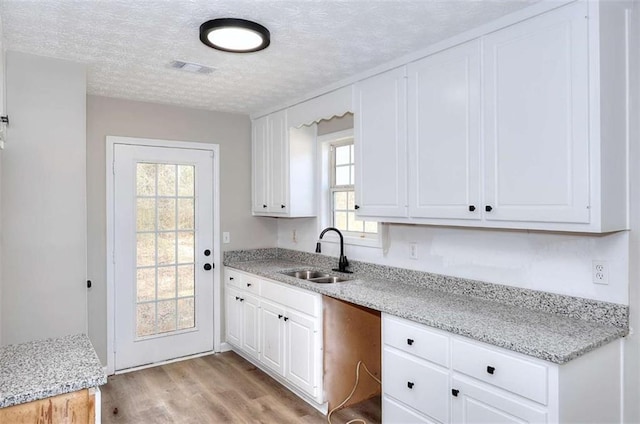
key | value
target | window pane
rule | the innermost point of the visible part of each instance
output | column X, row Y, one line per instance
column 166, row 248
column 370, row 227
column 145, row 214
column 146, row 250
column 185, row 180
column 146, row 284
column 351, row 200
column 352, row 151
column 146, row 179
column 186, row 214
column 353, row 174
column 166, row 180
column 186, row 313
column 186, row 247
column 166, row 214
column 167, row 282
column 340, row 221
column 166, row 316
column 342, row 175
column 342, row 155
column 340, row 200
column 185, row 280
column 354, row 224
column 146, row 319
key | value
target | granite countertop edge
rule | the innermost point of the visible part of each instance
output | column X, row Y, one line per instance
column 602, row 334
column 41, row 369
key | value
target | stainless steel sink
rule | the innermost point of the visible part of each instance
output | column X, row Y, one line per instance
column 328, row 280
column 315, row 276
column 306, row 275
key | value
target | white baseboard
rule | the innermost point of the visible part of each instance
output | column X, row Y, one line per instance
column 225, row 347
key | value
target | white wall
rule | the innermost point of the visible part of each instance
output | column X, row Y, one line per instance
column 557, row 263
column 44, row 200
column 108, row 116
column 632, row 342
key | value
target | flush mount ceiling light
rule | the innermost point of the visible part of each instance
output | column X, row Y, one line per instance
column 234, row 35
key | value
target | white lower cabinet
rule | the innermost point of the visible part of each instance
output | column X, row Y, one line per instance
column 477, row 403
column 431, row 375
column 280, row 327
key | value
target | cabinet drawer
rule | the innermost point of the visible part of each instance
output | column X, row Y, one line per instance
column 417, row 383
column 395, row 413
column 300, row 300
column 234, row 278
column 416, row 339
column 251, row 284
column 516, row 375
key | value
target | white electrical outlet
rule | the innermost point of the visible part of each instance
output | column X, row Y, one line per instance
column 600, row 272
column 226, row 237
column 413, row 250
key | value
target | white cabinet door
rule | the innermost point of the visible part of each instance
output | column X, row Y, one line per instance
column 272, row 336
column 250, row 325
column 301, row 351
column 233, row 312
column 381, row 144
column 278, row 163
column 444, row 134
column 478, row 403
column 396, row 413
column 536, row 119
column 260, row 140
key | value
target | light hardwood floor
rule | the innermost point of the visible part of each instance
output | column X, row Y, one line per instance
column 221, row 388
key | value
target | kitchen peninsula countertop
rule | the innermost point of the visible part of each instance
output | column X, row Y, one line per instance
column 552, row 337
column 40, row 369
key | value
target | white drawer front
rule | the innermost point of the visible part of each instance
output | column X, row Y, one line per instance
column 417, row 383
column 516, row 375
column 251, row 284
column 416, row 339
column 234, row 278
column 298, row 299
column 395, row 413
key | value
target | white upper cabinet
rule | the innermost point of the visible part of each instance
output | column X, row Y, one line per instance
column 536, row 119
column 283, row 167
column 444, row 134
column 380, row 143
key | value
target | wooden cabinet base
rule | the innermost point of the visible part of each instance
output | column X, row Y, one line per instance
column 71, row 408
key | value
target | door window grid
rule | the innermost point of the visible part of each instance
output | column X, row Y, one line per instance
column 165, row 248
column 342, row 192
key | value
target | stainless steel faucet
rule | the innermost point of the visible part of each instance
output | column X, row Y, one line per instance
column 343, row 263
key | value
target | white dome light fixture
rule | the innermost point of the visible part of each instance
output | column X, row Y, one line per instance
column 234, row 35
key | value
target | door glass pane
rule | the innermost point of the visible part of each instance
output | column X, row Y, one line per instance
column 165, row 231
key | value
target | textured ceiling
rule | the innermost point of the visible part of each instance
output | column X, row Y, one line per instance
column 127, row 44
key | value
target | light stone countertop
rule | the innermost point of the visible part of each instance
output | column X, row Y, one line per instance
column 548, row 336
column 40, row 369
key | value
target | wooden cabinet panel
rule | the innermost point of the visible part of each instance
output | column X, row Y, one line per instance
column 71, row 408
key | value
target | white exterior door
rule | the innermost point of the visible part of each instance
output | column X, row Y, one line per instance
column 163, row 253
column 444, row 134
column 536, row 117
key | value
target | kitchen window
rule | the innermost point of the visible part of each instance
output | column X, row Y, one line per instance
column 339, row 191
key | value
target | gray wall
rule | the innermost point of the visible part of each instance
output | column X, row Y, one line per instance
column 116, row 117
column 335, row 124
column 43, row 200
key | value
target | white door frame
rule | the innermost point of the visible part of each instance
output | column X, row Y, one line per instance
column 217, row 304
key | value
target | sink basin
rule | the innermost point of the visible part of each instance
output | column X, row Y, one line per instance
column 306, row 275
column 315, row 276
column 327, row 280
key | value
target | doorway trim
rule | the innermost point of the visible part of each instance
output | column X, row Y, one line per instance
column 111, row 141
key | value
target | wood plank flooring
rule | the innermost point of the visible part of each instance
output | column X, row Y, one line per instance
column 221, row 388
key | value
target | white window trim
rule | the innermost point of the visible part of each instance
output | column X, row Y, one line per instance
column 324, row 217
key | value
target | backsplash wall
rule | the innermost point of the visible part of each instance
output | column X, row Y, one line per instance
column 553, row 262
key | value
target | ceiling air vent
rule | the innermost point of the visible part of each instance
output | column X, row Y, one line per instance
column 190, row 67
